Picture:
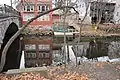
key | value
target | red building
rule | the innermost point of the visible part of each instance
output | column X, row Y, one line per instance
column 31, row 8
column 37, row 51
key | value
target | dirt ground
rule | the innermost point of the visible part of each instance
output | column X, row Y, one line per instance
column 100, row 71
column 88, row 71
column 85, row 71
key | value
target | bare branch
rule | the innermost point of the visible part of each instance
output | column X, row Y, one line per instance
column 87, row 7
column 3, row 57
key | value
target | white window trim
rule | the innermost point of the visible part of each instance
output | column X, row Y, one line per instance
column 45, row 6
column 28, row 16
column 25, row 8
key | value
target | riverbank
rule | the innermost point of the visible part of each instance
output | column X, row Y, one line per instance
column 85, row 71
column 102, row 30
column 88, row 71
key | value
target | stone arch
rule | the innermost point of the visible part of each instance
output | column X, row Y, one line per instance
column 14, row 54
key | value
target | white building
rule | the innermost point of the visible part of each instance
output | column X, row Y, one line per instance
column 109, row 1
column 82, row 8
column 82, row 5
column 117, row 12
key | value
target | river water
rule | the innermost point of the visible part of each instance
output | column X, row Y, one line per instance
column 100, row 48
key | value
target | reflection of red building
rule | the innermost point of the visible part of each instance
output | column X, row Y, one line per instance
column 31, row 8
column 38, row 52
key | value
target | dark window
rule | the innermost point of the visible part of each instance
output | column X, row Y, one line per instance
column 39, row 8
column 28, row 8
column 47, row 8
column 31, row 55
column 32, row 8
column 24, row 8
column 44, row 55
column 43, row 8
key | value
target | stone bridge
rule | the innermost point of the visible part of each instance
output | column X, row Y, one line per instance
column 8, row 17
column 9, row 25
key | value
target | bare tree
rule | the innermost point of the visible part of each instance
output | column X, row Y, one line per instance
column 87, row 5
column 100, row 7
column 65, row 14
column 3, row 57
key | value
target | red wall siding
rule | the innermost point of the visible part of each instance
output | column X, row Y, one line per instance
column 36, row 22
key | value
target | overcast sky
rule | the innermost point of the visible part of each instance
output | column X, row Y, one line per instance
column 5, row 2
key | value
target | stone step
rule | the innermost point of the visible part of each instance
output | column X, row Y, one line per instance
column 42, row 70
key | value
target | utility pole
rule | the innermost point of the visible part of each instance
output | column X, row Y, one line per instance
column 11, row 2
column 64, row 27
column 65, row 11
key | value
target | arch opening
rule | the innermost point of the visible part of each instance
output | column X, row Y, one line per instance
column 14, row 52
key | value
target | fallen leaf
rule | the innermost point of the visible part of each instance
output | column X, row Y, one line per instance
column 118, row 67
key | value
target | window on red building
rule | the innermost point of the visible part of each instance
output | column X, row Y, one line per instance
column 39, row 8
column 25, row 8
column 29, row 8
column 28, row 16
column 32, row 8
column 43, row 8
column 47, row 7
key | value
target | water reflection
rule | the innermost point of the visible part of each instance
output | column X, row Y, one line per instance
column 87, row 50
column 114, row 49
column 96, row 49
